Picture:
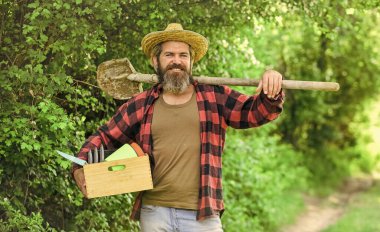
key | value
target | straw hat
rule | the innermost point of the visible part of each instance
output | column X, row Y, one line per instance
column 175, row 32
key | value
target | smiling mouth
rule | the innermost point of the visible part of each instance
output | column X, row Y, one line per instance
column 176, row 69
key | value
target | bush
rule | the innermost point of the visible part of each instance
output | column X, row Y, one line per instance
column 258, row 172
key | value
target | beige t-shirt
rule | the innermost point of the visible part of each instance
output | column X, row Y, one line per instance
column 176, row 150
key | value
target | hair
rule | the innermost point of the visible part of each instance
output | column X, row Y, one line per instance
column 156, row 51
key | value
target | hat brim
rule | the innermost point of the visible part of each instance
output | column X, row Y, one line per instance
column 197, row 42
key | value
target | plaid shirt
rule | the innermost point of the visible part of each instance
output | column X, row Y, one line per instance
column 219, row 107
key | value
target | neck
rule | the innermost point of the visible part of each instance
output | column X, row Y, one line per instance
column 177, row 99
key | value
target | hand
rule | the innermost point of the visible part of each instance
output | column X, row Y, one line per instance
column 80, row 180
column 270, row 83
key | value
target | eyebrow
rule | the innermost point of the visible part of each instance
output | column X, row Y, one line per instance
column 181, row 53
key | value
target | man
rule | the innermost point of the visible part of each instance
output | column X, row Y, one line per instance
column 181, row 125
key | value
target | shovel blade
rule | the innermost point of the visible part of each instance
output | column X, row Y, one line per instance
column 118, row 88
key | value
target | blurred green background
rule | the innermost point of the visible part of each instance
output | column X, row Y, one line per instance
column 49, row 100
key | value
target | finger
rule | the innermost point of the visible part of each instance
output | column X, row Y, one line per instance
column 278, row 85
column 83, row 187
column 271, row 84
column 265, row 83
column 81, row 184
column 79, row 178
column 275, row 86
column 84, row 191
column 259, row 87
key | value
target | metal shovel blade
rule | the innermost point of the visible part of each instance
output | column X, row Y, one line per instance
column 107, row 77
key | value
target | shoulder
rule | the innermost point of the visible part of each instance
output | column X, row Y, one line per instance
column 141, row 100
column 218, row 89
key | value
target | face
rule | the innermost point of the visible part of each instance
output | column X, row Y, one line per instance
column 173, row 66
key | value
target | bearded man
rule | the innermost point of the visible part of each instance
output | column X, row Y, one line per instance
column 181, row 125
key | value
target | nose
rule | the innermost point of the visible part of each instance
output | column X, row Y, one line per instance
column 176, row 59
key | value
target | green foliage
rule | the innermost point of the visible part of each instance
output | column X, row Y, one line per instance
column 15, row 220
column 49, row 51
column 258, row 172
column 49, row 102
column 106, row 214
column 361, row 215
column 325, row 45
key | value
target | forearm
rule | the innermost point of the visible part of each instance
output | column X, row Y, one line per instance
column 266, row 109
column 253, row 111
column 111, row 135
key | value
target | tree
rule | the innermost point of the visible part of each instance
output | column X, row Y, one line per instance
column 50, row 99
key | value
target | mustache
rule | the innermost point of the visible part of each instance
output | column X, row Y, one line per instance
column 177, row 66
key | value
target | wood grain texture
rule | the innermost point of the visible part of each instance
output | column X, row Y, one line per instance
column 136, row 176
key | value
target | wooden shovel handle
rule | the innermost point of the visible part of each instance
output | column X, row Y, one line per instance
column 286, row 84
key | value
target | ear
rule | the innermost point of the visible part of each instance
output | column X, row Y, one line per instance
column 154, row 62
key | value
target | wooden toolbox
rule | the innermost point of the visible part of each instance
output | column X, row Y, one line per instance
column 118, row 176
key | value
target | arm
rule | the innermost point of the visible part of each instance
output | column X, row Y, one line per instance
column 112, row 134
column 120, row 129
column 241, row 111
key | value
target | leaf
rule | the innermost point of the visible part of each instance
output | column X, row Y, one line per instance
column 33, row 5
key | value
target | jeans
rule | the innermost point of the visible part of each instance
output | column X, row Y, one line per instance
column 164, row 219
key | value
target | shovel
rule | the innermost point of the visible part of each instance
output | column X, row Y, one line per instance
column 120, row 80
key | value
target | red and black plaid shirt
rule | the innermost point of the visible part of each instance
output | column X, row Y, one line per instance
column 219, row 107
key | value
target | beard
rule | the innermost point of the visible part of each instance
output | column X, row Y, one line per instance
column 173, row 81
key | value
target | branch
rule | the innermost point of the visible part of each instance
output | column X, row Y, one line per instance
column 86, row 83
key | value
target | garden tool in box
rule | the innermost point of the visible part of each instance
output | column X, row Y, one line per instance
column 126, row 170
column 101, row 155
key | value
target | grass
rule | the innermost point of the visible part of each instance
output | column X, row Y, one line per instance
column 289, row 208
column 362, row 215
